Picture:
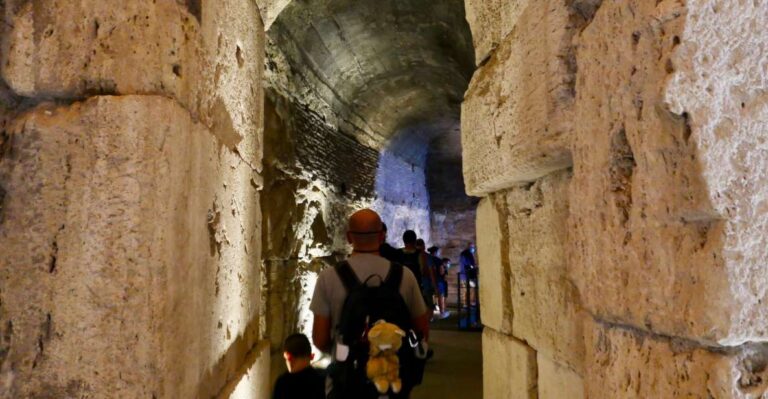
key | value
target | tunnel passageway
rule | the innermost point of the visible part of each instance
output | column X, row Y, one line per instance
column 174, row 174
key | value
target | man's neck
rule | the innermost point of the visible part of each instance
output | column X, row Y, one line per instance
column 363, row 251
column 299, row 365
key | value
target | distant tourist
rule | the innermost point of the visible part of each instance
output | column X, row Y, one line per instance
column 387, row 251
column 440, row 269
column 468, row 264
column 428, row 281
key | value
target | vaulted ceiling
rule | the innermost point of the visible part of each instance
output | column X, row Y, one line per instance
column 389, row 65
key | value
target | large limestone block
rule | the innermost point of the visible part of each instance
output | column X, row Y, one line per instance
column 72, row 48
column 509, row 367
column 233, row 68
column 492, row 249
column 211, row 62
column 129, row 236
column 557, row 381
column 668, row 204
column 491, row 21
column 545, row 302
column 624, row 363
column 516, row 113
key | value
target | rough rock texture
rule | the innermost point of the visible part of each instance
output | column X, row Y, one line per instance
column 628, row 363
column 254, row 377
column 546, row 305
column 401, row 195
column 140, row 226
column 212, row 66
column 138, row 237
column 557, row 381
column 271, row 9
column 493, row 249
column 491, row 21
column 509, row 367
column 670, row 169
column 452, row 230
column 661, row 108
column 517, row 114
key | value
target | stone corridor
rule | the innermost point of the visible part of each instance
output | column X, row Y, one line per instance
column 175, row 173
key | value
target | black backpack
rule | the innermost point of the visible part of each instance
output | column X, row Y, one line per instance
column 364, row 306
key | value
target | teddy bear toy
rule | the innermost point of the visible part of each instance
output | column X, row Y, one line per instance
column 383, row 367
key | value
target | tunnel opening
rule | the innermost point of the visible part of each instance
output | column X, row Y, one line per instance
column 363, row 110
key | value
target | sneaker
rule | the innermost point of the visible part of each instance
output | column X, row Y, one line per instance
column 445, row 314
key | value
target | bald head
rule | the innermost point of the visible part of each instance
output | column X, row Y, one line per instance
column 365, row 231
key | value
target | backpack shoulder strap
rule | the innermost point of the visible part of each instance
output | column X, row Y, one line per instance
column 347, row 275
column 394, row 277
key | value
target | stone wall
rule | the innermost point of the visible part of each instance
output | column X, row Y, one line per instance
column 452, row 211
column 130, row 172
column 619, row 149
column 402, row 198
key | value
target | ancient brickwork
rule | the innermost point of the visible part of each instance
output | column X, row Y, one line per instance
column 336, row 158
column 130, row 224
column 636, row 274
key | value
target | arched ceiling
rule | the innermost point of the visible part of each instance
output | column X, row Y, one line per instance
column 388, row 66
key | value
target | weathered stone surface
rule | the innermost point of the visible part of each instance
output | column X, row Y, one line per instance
column 557, row 381
column 509, row 367
column 137, row 231
column 253, row 378
column 271, row 9
column 492, row 251
column 516, row 115
column 668, row 198
column 624, row 363
column 402, row 199
column 546, row 304
column 210, row 64
column 491, row 21
column 232, row 96
column 452, row 230
column 68, row 49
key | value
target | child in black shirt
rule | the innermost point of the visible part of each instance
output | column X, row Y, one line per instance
column 301, row 381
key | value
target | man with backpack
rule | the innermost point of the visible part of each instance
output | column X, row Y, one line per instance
column 351, row 297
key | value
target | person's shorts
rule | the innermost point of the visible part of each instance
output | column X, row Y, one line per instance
column 442, row 288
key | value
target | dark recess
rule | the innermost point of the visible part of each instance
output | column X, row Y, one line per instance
column 195, row 8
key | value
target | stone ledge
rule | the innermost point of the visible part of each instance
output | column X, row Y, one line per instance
column 629, row 363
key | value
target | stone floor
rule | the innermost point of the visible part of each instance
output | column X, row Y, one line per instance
column 456, row 369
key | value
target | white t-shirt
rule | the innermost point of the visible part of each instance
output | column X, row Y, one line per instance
column 329, row 296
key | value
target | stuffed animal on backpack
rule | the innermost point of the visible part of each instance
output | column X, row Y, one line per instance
column 383, row 366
